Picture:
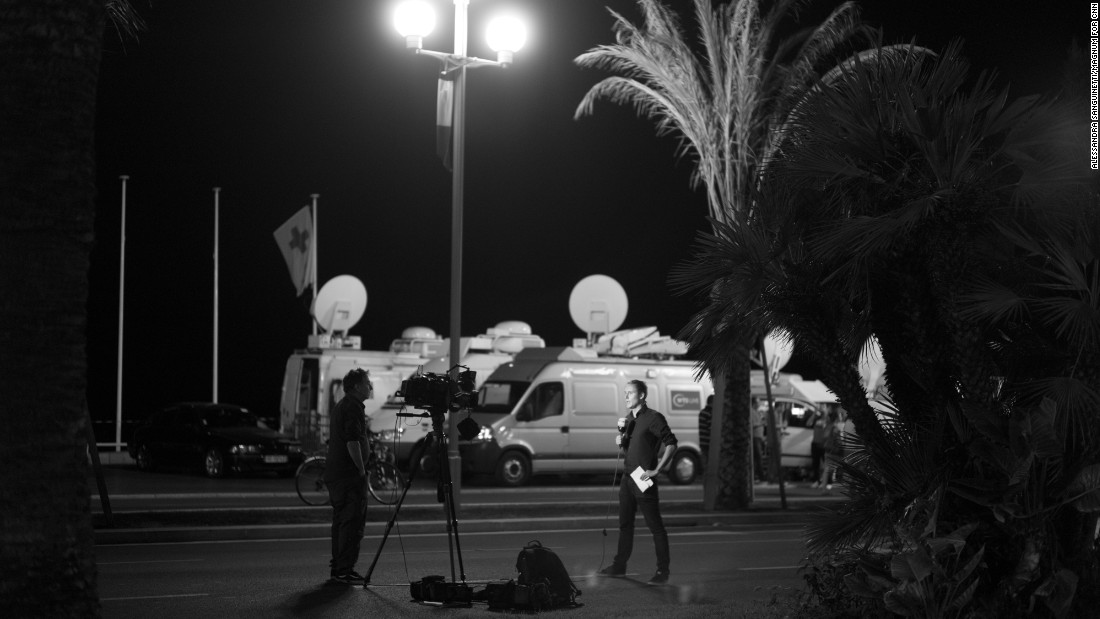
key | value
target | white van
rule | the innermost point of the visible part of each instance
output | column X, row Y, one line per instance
column 313, row 384
column 313, row 380
column 555, row 410
column 797, row 404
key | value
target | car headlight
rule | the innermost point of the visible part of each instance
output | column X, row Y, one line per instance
column 388, row 436
column 244, row 449
column 484, row 434
column 294, row 449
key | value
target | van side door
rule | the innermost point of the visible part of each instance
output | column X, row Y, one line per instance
column 541, row 425
column 597, row 406
column 298, row 411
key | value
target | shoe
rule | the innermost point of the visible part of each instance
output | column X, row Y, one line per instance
column 659, row 578
column 613, row 571
column 817, row 484
column 349, row 578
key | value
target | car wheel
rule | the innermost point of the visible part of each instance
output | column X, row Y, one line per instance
column 685, row 466
column 423, row 460
column 513, row 469
column 213, row 464
column 144, row 459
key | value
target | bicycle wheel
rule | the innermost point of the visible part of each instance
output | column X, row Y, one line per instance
column 384, row 482
column 310, row 482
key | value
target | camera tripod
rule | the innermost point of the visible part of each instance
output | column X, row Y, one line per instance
column 444, row 494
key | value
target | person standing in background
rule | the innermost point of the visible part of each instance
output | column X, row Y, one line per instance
column 817, row 446
column 833, row 450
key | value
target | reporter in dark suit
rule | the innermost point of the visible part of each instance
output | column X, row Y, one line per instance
column 648, row 443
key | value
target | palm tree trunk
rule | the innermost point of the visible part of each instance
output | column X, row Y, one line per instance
column 49, row 61
column 733, row 489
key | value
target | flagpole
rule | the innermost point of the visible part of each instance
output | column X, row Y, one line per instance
column 313, row 261
column 217, row 190
column 121, row 294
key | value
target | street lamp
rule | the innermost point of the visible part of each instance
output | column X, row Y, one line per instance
column 414, row 20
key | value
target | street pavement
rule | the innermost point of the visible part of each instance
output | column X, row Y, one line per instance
column 165, row 525
column 180, row 506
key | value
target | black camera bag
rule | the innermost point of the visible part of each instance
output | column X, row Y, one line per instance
column 544, row 577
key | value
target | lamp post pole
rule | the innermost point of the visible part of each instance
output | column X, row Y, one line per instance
column 414, row 20
column 458, row 168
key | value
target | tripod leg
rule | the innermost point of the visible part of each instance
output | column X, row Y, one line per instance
column 447, row 492
column 389, row 525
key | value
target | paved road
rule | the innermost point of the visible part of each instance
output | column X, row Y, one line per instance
column 130, row 489
column 286, row 578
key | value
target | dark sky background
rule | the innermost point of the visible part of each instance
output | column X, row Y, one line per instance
column 273, row 100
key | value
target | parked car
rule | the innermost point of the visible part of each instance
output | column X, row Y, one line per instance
column 219, row 438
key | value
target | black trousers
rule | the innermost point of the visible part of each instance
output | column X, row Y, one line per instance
column 649, row 504
column 349, row 519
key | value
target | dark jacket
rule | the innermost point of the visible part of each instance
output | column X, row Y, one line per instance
column 347, row 423
column 645, row 439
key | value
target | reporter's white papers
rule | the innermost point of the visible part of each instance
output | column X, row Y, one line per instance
column 643, row 484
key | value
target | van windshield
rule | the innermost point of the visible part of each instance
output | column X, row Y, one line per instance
column 500, row 397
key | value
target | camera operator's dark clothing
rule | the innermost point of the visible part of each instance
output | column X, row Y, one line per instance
column 347, row 423
column 644, row 440
column 347, row 489
column 349, row 520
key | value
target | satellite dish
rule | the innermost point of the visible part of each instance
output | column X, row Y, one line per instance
column 598, row 304
column 419, row 333
column 340, row 303
column 778, row 347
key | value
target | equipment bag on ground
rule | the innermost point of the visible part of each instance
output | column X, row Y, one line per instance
column 538, row 566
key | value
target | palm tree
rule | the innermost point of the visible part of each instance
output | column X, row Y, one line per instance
column 960, row 229
column 725, row 99
column 49, row 65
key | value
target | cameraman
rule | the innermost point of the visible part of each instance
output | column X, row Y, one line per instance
column 645, row 437
column 346, row 476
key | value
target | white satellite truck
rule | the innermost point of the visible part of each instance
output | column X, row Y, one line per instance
column 313, row 376
column 555, row 410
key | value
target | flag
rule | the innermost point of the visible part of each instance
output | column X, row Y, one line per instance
column 444, row 115
column 295, row 240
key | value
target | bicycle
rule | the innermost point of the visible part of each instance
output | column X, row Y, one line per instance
column 384, row 481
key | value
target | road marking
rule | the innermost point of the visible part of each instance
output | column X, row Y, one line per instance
column 154, row 597
column 151, row 561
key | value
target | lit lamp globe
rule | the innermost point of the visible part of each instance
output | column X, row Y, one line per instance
column 506, row 35
column 414, row 20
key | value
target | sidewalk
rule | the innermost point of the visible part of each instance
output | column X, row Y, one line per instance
column 210, row 524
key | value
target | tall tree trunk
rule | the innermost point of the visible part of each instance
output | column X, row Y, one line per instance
column 734, row 480
column 49, row 61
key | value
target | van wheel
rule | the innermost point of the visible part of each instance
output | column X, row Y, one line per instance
column 684, row 469
column 513, row 469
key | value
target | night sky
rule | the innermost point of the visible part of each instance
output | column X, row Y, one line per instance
column 274, row 100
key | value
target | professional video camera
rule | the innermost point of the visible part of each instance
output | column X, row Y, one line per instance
column 440, row 392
